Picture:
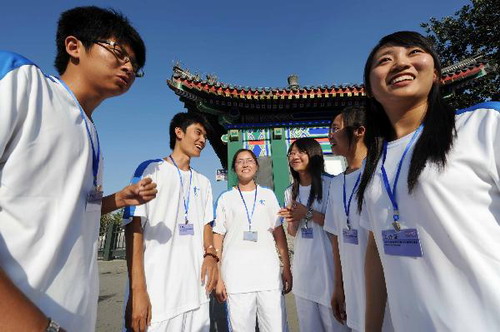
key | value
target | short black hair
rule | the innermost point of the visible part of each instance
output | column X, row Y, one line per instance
column 183, row 120
column 353, row 117
column 92, row 23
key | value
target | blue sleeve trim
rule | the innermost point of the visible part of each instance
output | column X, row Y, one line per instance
column 217, row 201
column 487, row 105
column 10, row 61
column 129, row 210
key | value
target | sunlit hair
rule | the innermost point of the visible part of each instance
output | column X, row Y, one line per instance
column 438, row 134
column 183, row 120
column 235, row 157
column 92, row 23
column 315, row 167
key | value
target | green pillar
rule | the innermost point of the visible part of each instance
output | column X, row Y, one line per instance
column 281, row 176
column 235, row 142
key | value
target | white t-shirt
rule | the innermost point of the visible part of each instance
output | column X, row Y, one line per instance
column 248, row 266
column 172, row 262
column 48, row 241
column 312, row 265
column 455, row 285
column 351, row 255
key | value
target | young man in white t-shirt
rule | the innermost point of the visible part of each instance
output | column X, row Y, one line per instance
column 171, row 259
column 51, row 171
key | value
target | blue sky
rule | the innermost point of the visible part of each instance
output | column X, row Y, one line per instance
column 252, row 43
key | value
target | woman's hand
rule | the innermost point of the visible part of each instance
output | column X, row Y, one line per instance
column 338, row 305
column 287, row 278
column 298, row 211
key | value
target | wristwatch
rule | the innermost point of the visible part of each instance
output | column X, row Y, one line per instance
column 53, row 326
column 309, row 214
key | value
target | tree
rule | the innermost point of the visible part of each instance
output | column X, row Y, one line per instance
column 109, row 219
column 473, row 29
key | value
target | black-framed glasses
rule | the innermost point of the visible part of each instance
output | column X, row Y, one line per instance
column 121, row 55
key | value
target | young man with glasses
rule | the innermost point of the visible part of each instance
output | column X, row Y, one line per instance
column 172, row 263
column 51, row 171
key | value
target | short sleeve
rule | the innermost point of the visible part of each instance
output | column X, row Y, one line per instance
column 273, row 210
column 288, row 196
column 145, row 169
column 363, row 217
column 208, row 216
column 15, row 93
column 220, row 216
column 330, row 225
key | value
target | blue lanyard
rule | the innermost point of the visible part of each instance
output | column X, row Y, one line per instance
column 249, row 217
column 95, row 156
column 347, row 205
column 392, row 192
column 186, row 201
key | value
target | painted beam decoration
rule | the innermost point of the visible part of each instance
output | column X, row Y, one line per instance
column 252, row 114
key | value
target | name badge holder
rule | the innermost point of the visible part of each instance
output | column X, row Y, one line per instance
column 399, row 242
column 186, row 228
column 349, row 235
column 249, row 235
column 307, row 233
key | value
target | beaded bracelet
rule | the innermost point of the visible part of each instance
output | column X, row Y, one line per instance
column 212, row 255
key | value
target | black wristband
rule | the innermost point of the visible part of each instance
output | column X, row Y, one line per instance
column 211, row 255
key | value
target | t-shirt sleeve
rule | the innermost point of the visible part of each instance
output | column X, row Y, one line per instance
column 220, row 216
column 288, row 196
column 145, row 169
column 209, row 205
column 273, row 210
column 495, row 141
column 15, row 86
column 327, row 180
column 330, row 225
column 364, row 220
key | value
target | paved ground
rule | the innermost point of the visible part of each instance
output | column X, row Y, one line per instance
column 112, row 284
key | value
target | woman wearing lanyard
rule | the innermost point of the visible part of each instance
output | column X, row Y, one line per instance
column 349, row 240
column 429, row 195
column 248, row 230
column 312, row 267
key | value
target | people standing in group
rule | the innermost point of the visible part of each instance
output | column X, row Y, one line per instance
column 51, row 193
column 429, row 195
column 305, row 205
column 172, row 263
column 248, row 234
column 347, row 133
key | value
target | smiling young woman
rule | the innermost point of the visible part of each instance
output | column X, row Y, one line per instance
column 432, row 245
column 247, row 231
column 304, row 212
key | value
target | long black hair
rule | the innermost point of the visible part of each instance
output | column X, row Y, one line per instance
column 438, row 133
column 316, row 168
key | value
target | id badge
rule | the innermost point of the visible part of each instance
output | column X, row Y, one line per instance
column 307, row 233
column 94, row 200
column 186, row 229
column 350, row 236
column 250, row 236
column 402, row 243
